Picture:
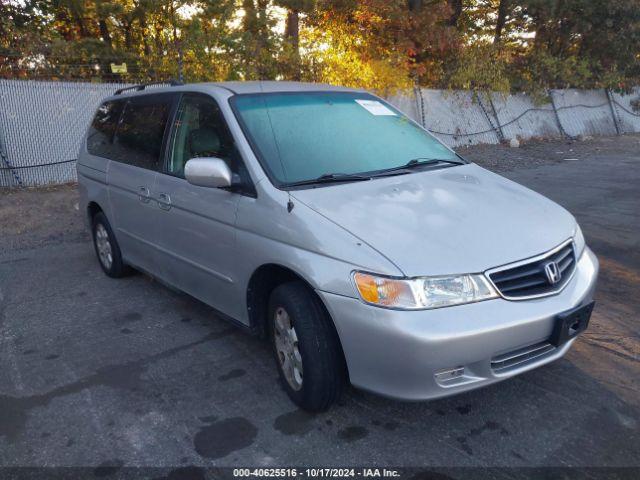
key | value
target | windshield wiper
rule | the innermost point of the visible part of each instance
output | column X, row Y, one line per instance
column 330, row 178
column 353, row 177
column 416, row 162
column 425, row 161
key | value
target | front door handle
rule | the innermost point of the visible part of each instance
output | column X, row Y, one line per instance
column 144, row 195
column 164, row 201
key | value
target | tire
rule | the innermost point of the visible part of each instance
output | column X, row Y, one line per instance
column 107, row 248
column 315, row 376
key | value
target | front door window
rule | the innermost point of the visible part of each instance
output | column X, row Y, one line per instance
column 200, row 131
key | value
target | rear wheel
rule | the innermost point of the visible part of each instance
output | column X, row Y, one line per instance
column 107, row 248
column 306, row 347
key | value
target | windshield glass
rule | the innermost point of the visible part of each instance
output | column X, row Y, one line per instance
column 302, row 136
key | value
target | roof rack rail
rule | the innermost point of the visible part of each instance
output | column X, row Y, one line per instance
column 142, row 86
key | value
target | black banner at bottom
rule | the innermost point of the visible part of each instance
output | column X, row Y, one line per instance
column 204, row 473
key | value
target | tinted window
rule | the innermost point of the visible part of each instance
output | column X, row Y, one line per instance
column 100, row 136
column 200, row 131
column 138, row 139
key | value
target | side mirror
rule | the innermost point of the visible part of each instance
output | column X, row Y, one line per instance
column 208, row 172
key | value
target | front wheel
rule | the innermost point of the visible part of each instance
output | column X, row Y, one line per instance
column 306, row 347
column 107, row 248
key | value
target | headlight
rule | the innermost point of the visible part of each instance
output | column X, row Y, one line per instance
column 578, row 241
column 424, row 292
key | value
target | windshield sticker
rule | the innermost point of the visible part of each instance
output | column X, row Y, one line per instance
column 375, row 108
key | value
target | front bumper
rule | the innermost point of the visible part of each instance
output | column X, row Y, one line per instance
column 398, row 353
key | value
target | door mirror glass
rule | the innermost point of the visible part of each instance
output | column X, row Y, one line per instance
column 208, row 172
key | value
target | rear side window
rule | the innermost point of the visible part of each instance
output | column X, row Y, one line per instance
column 139, row 135
column 103, row 127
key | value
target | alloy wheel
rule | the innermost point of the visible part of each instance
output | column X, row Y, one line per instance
column 103, row 246
column 286, row 343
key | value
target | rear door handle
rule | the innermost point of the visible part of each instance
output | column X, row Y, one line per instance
column 164, row 201
column 144, row 195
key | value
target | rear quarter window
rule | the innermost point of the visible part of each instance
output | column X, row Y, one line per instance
column 139, row 136
column 103, row 128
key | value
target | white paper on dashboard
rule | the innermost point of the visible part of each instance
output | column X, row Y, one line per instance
column 375, row 108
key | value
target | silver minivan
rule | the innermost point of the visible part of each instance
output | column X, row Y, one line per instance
column 324, row 219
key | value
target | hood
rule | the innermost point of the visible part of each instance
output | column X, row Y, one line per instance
column 453, row 220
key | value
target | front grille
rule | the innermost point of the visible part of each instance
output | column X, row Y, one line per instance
column 516, row 358
column 528, row 279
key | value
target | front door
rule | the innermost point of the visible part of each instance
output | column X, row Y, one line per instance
column 196, row 225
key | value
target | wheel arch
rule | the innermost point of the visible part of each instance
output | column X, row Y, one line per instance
column 262, row 282
column 93, row 208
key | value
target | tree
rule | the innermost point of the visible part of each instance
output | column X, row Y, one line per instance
column 501, row 19
column 528, row 45
column 601, row 36
column 412, row 38
column 292, row 34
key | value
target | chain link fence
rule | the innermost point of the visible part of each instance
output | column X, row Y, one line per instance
column 42, row 123
column 464, row 118
column 41, row 127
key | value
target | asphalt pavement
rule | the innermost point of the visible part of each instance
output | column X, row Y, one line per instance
column 104, row 373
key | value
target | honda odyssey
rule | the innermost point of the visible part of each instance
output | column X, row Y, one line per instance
column 324, row 219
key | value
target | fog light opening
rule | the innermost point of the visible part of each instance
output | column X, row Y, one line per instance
column 448, row 374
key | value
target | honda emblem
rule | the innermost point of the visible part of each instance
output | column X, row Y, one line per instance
column 552, row 272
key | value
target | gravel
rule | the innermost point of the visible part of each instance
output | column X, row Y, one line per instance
column 503, row 158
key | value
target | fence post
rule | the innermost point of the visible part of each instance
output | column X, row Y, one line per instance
column 495, row 115
column 5, row 160
column 555, row 112
column 614, row 114
column 497, row 128
column 417, row 92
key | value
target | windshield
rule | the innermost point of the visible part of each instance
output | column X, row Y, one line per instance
column 304, row 136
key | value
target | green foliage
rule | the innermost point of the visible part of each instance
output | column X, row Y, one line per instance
column 384, row 45
column 337, row 58
column 481, row 67
column 543, row 71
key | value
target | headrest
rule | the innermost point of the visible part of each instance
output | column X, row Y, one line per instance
column 204, row 142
